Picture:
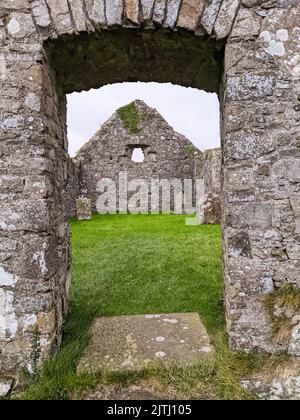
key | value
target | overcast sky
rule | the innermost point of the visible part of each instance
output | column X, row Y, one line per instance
column 189, row 111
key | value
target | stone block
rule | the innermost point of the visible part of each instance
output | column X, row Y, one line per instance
column 226, row 17
column 79, row 17
column 20, row 26
column 250, row 87
column 5, row 386
column 41, row 13
column 295, row 203
column 294, row 171
column 96, row 13
column 147, row 9
column 114, row 12
column 190, row 14
column 84, row 209
column 239, row 245
column 247, row 25
column 210, row 14
column 135, row 342
column 30, row 215
column 251, row 215
column 280, row 385
column 172, row 13
column 61, row 17
column 132, row 11
column 159, row 11
column 239, row 179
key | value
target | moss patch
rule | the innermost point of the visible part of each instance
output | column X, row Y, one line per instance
column 282, row 305
column 131, row 118
column 190, row 150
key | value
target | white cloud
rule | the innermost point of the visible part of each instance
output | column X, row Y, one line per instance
column 191, row 112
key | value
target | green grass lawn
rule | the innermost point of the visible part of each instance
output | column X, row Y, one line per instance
column 139, row 264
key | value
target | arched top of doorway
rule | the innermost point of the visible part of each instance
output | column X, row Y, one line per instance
column 96, row 42
column 92, row 60
column 203, row 17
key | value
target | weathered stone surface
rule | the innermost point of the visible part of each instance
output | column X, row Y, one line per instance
column 172, row 13
column 132, row 392
column 247, row 25
column 20, row 25
column 226, row 17
column 147, row 9
column 159, row 11
column 114, row 12
column 283, row 385
column 250, row 86
column 132, row 10
column 41, row 14
column 284, row 389
column 210, row 14
column 134, row 342
column 83, row 209
column 5, row 387
column 96, row 12
column 15, row 4
column 240, row 245
column 190, row 14
column 208, row 168
column 295, row 203
column 78, row 15
column 60, row 15
column 294, row 344
column 270, row 220
column 294, row 171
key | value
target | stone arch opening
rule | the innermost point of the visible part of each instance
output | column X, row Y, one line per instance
column 244, row 51
column 86, row 61
column 176, row 127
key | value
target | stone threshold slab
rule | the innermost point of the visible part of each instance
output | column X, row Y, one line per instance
column 134, row 342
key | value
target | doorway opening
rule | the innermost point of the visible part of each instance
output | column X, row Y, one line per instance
column 142, row 264
column 153, row 254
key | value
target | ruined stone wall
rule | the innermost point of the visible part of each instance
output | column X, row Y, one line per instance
column 34, row 234
column 167, row 156
column 74, row 185
column 259, row 91
column 261, row 128
column 208, row 167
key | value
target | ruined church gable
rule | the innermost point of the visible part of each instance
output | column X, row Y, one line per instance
column 137, row 125
column 166, row 154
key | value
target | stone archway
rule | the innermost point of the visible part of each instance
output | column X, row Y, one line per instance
column 247, row 51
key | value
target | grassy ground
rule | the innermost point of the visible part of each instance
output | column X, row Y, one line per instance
column 138, row 264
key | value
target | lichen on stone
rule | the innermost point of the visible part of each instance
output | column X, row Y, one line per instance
column 131, row 118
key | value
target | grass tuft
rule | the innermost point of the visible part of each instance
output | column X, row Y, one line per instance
column 281, row 306
column 131, row 118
